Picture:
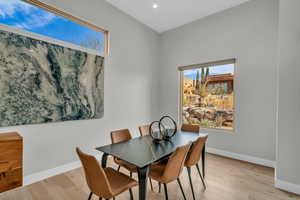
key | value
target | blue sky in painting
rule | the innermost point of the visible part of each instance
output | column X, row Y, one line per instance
column 214, row 70
column 27, row 17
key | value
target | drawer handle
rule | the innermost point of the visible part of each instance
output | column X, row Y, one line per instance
column 6, row 166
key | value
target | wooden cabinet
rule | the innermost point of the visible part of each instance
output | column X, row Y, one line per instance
column 11, row 156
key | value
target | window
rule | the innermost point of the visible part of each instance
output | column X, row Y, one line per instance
column 207, row 95
column 47, row 23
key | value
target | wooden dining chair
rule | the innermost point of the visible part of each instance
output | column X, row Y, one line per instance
column 193, row 158
column 170, row 171
column 122, row 136
column 144, row 130
column 104, row 182
column 190, row 128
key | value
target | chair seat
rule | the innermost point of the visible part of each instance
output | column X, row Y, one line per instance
column 163, row 162
column 119, row 182
column 125, row 164
column 157, row 170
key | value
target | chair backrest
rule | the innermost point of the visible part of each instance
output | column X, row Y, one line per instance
column 120, row 136
column 95, row 175
column 190, row 128
column 194, row 155
column 144, row 130
column 176, row 163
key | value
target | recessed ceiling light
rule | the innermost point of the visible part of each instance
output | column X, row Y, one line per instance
column 155, row 5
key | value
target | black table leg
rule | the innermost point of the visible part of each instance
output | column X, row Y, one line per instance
column 104, row 160
column 203, row 161
column 143, row 177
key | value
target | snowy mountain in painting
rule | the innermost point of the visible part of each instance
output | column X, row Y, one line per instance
column 42, row 82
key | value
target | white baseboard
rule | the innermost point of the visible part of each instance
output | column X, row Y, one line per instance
column 251, row 159
column 32, row 178
column 287, row 186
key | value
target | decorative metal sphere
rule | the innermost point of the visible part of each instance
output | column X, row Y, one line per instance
column 167, row 126
column 156, row 131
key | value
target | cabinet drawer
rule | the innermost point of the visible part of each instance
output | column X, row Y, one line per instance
column 10, row 179
column 11, row 156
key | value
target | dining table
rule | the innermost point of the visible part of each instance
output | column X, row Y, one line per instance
column 143, row 151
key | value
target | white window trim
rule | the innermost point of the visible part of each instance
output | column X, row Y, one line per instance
column 181, row 69
column 73, row 18
column 49, row 40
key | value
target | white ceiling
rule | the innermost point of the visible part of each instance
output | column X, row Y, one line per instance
column 172, row 13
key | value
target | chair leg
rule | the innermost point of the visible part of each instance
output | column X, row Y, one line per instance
column 130, row 174
column 151, row 184
column 179, row 183
column 166, row 191
column 202, row 179
column 131, row 195
column 90, row 196
column 119, row 168
column 190, row 179
column 159, row 187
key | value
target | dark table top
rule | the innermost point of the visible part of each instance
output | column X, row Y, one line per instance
column 142, row 151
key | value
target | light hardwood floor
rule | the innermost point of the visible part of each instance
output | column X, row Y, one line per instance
column 226, row 179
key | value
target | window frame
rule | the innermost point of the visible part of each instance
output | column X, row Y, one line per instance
column 181, row 69
column 68, row 16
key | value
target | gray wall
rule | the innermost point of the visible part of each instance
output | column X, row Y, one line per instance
column 141, row 81
column 249, row 33
column 130, row 90
column 288, row 163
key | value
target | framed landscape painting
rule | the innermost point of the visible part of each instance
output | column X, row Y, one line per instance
column 48, row 79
